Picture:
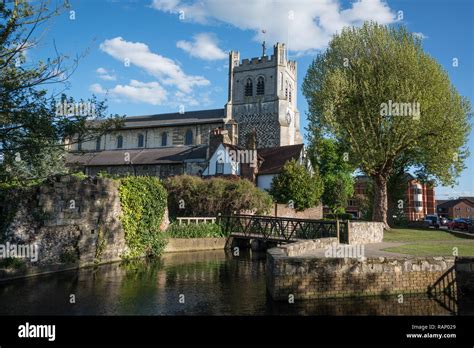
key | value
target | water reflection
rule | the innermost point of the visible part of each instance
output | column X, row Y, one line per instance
column 197, row 283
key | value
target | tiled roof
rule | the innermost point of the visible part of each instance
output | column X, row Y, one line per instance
column 174, row 119
column 165, row 155
column 454, row 202
column 468, row 198
column 274, row 158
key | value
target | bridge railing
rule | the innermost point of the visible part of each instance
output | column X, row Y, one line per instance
column 282, row 228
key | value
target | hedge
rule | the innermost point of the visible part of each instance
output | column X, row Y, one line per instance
column 203, row 230
column 193, row 196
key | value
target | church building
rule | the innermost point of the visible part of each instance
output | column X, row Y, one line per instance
column 261, row 106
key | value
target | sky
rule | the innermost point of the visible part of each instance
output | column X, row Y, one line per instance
column 155, row 56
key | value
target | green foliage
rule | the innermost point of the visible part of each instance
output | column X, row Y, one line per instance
column 331, row 160
column 364, row 68
column 203, row 230
column 79, row 175
column 13, row 263
column 31, row 128
column 341, row 216
column 143, row 201
column 102, row 235
column 295, row 183
column 193, row 196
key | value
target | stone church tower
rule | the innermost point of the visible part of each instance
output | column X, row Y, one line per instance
column 262, row 96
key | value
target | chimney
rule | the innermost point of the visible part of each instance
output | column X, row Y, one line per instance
column 249, row 170
column 217, row 136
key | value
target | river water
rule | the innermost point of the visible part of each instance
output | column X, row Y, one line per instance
column 192, row 283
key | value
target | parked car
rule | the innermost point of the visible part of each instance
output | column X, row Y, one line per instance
column 444, row 221
column 459, row 224
column 432, row 221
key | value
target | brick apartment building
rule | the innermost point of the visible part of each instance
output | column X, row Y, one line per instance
column 463, row 207
column 419, row 198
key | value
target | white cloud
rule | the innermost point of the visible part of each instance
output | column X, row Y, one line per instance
column 145, row 92
column 421, row 36
column 204, row 46
column 96, row 88
column 304, row 25
column 164, row 69
column 104, row 74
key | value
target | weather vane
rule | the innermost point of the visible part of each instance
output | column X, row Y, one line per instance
column 263, row 44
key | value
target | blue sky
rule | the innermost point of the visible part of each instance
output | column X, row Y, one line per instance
column 178, row 49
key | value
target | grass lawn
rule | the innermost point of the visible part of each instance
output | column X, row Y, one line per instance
column 429, row 242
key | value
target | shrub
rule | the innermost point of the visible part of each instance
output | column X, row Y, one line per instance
column 13, row 263
column 342, row 216
column 295, row 183
column 193, row 196
column 143, row 201
column 204, row 230
column 79, row 175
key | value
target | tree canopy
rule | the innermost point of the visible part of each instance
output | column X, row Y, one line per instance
column 390, row 105
column 33, row 125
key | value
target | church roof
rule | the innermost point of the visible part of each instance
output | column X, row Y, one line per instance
column 165, row 155
column 175, row 119
column 274, row 158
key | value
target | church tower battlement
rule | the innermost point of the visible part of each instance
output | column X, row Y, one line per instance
column 262, row 96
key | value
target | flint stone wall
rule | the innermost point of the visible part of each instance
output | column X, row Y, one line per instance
column 72, row 221
column 304, row 246
column 361, row 232
column 311, row 277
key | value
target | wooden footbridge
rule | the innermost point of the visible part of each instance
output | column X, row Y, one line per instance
column 282, row 229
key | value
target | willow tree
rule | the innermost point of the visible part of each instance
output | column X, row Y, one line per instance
column 389, row 104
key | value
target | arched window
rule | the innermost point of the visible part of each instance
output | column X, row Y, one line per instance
column 286, row 89
column 119, row 142
column 281, row 81
column 97, row 143
column 141, row 140
column 164, row 139
column 188, row 139
column 260, row 86
column 249, row 88
column 289, row 95
column 79, row 145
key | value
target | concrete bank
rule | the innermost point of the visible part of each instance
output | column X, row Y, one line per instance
column 194, row 244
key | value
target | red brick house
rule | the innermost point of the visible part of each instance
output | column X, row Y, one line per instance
column 456, row 208
column 419, row 198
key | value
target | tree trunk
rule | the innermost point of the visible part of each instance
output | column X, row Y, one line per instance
column 380, row 201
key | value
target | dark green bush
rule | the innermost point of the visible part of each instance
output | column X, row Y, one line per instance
column 13, row 263
column 296, row 184
column 143, row 201
column 342, row 216
column 203, row 230
column 193, row 196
